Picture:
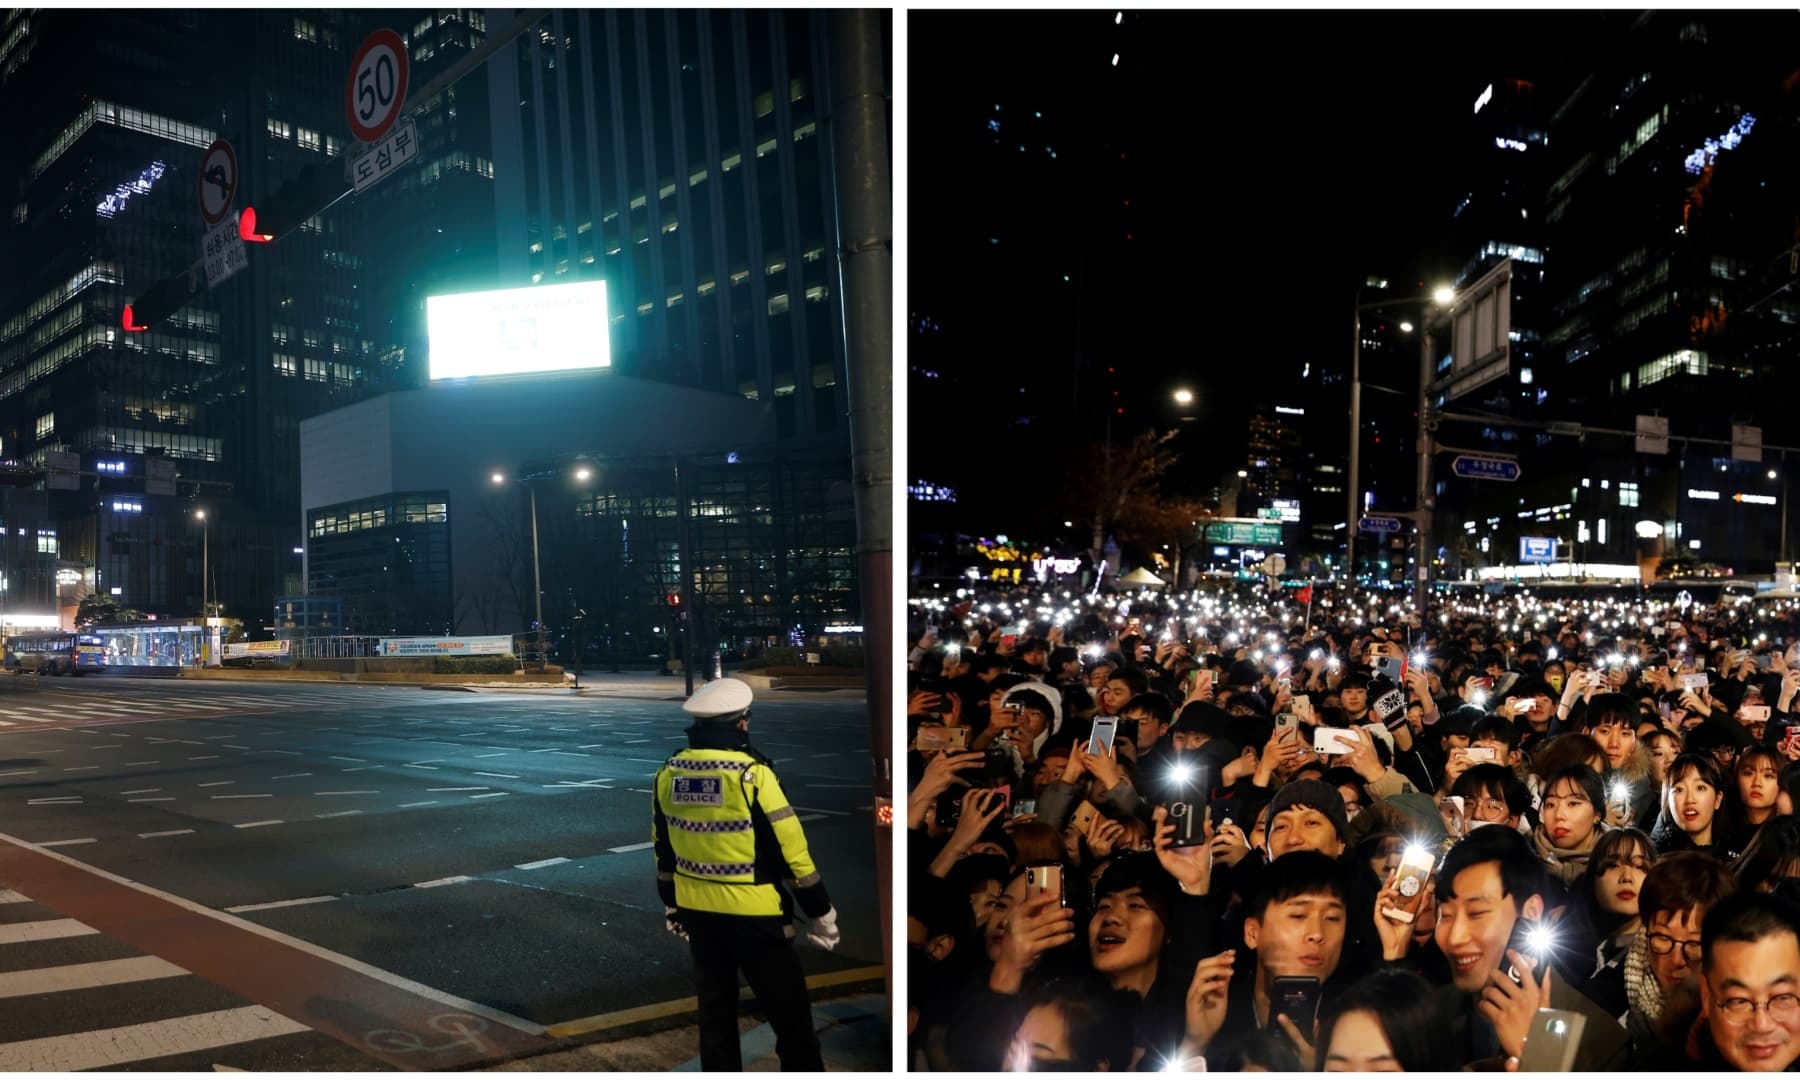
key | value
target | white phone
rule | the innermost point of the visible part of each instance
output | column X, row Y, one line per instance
column 1105, row 729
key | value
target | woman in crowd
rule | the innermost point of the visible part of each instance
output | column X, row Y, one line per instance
column 1757, row 776
column 1385, row 1022
column 1570, row 821
column 1664, row 746
column 1603, row 918
column 1073, row 1024
column 1694, row 814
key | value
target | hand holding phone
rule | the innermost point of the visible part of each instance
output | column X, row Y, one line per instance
column 1106, row 729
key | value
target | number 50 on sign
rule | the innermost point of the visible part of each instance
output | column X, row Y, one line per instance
column 375, row 91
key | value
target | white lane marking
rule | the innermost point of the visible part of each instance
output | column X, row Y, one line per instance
column 79, row 768
column 257, row 824
column 346, row 793
column 51, row 802
column 143, row 763
column 170, row 832
column 159, row 798
column 491, row 795
column 458, row 879
column 540, row 864
column 19, row 772
column 629, row 741
column 289, row 753
column 570, row 753
column 355, row 759
column 109, row 746
column 86, row 976
column 228, row 746
column 502, row 753
column 214, row 738
column 472, row 735
column 340, row 813
column 216, row 783
column 273, row 904
column 456, row 789
column 67, row 843
column 139, row 1042
column 591, row 746
column 634, row 847
column 289, row 776
column 142, row 791
column 44, row 930
column 205, row 757
column 427, row 802
column 243, row 796
column 501, row 775
column 427, row 768
column 362, row 768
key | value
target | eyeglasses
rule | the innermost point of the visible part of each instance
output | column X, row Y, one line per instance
column 1738, row 1011
column 1663, row 945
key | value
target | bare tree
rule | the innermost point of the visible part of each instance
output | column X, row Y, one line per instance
column 1115, row 479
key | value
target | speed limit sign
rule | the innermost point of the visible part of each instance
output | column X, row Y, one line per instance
column 376, row 89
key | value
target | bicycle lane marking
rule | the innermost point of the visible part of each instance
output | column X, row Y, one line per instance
column 400, row 1022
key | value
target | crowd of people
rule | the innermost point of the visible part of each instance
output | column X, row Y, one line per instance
column 1239, row 831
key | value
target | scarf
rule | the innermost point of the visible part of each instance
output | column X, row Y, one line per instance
column 1646, row 995
column 1565, row 866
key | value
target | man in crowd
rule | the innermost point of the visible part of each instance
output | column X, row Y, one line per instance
column 1749, row 986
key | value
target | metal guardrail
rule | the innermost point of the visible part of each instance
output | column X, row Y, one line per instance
column 344, row 647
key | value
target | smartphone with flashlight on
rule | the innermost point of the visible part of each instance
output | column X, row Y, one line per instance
column 1045, row 878
column 1410, row 880
column 1533, row 939
column 1552, row 1041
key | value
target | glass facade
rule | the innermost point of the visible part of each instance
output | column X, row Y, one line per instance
column 387, row 560
column 770, row 546
column 678, row 155
column 151, row 646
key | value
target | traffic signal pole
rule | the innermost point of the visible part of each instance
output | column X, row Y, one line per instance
column 167, row 295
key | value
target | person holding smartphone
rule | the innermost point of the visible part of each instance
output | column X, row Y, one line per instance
column 1489, row 885
column 1293, row 941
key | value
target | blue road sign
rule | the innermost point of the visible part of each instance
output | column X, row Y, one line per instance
column 1537, row 549
column 1373, row 524
column 1485, row 468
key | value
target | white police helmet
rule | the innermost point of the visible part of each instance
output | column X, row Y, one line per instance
column 719, row 699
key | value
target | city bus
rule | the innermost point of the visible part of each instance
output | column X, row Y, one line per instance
column 56, row 653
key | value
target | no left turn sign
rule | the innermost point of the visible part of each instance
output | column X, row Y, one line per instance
column 218, row 181
column 376, row 88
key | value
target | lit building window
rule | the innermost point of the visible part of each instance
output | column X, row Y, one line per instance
column 46, row 425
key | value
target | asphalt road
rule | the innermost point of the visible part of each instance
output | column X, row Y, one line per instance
column 284, row 865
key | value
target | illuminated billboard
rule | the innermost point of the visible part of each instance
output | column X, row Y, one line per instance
column 519, row 331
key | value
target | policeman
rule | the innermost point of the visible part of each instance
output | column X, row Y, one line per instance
column 725, row 835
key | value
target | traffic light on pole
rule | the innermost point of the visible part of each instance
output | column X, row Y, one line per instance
column 674, row 599
column 305, row 196
column 160, row 301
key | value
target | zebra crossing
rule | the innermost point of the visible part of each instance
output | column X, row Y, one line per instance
column 65, row 709
column 73, row 999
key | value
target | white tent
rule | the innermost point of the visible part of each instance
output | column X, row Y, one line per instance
column 1141, row 576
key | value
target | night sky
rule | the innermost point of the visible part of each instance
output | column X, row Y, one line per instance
column 1273, row 160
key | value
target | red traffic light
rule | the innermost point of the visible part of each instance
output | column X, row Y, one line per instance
column 674, row 599
column 247, row 227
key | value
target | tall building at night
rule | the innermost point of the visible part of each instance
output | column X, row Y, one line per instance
column 1668, row 213
column 108, row 119
column 680, row 156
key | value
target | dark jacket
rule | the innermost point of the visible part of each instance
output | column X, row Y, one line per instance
column 1604, row 1045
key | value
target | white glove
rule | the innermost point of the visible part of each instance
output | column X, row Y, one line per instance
column 672, row 926
column 823, row 931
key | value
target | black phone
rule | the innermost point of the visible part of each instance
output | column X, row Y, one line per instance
column 996, row 766
column 1297, row 998
column 1190, row 827
column 1529, row 938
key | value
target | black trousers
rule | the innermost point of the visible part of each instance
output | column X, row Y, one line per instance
column 723, row 945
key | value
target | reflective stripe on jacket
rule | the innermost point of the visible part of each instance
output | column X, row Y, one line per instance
column 725, row 835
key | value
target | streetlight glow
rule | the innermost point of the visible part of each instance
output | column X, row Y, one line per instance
column 1185, row 396
column 1443, row 295
column 583, row 473
column 1406, row 327
column 499, row 478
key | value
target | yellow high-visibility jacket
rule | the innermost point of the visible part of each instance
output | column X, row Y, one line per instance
column 725, row 835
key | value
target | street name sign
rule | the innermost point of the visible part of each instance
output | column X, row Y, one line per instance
column 386, row 157
column 1471, row 467
column 1375, row 524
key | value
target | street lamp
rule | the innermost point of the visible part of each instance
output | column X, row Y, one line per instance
column 537, row 587
column 205, row 554
column 1184, row 396
column 1353, row 513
